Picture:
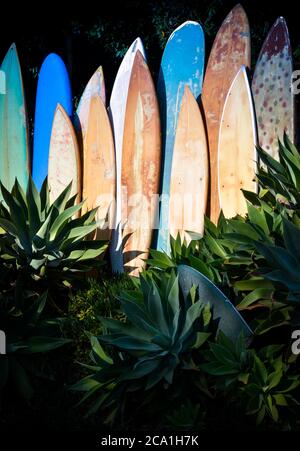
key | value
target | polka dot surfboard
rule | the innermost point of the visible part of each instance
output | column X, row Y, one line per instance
column 272, row 89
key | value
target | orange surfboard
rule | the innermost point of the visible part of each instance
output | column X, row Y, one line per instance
column 237, row 157
column 231, row 50
column 189, row 174
column 64, row 164
column 99, row 173
column 141, row 159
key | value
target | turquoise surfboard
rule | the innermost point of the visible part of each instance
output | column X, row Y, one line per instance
column 53, row 87
column 14, row 152
column 229, row 320
column 182, row 64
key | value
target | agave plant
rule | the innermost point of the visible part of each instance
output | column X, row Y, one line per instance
column 158, row 338
column 39, row 236
column 280, row 180
column 262, row 382
column 284, row 262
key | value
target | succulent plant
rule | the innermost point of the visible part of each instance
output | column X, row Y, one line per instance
column 38, row 237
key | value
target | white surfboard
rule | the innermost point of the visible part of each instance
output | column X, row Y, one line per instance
column 117, row 108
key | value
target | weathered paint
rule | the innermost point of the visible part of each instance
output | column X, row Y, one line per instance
column 231, row 50
column 53, row 88
column 237, row 147
column 189, row 174
column 14, row 151
column 141, row 160
column 99, row 174
column 117, row 109
column 64, row 160
column 182, row 64
column 95, row 86
column 272, row 89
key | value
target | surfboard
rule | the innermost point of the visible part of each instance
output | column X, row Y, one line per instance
column 141, row 160
column 95, row 86
column 53, row 88
column 99, row 173
column 64, row 159
column 14, row 149
column 189, row 174
column 182, row 64
column 227, row 317
column 117, row 109
column 272, row 89
column 237, row 147
column 231, row 49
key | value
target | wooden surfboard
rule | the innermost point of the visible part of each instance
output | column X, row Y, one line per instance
column 117, row 109
column 99, row 174
column 14, row 149
column 271, row 88
column 189, row 174
column 237, row 147
column 140, row 166
column 64, row 159
column 231, row 50
column 182, row 64
column 95, row 86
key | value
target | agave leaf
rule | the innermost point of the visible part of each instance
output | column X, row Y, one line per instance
column 17, row 217
column 257, row 217
column 44, row 196
column 291, row 235
column 278, row 257
column 62, row 219
column 62, row 199
column 8, row 226
column 34, row 208
column 192, row 315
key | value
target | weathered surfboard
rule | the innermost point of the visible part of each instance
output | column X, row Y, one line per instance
column 95, row 86
column 189, row 174
column 231, row 50
column 141, row 160
column 182, row 64
column 229, row 320
column 99, row 173
column 117, row 109
column 272, row 89
column 237, row 147
column 64, row 159
column 14, row 151
column 53, row 88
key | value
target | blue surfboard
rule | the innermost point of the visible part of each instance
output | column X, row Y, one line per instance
column 182, row 64
column 53, row 87
column 229, row 320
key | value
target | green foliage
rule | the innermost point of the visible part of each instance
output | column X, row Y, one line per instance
column 98, row 298
column 29, row 332
column 261, row 382
column 284, row 262
column 160, row 334
column 40, row 238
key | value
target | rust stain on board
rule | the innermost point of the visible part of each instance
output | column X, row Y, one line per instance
column 230, row 51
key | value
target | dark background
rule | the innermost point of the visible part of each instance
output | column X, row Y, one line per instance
column 90, row 35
